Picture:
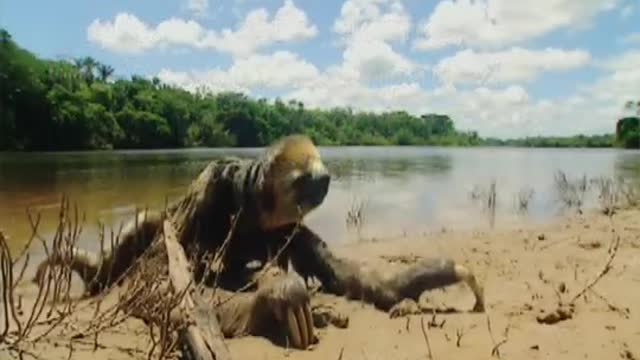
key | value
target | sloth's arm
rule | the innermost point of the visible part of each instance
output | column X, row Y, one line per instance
column 311, row 257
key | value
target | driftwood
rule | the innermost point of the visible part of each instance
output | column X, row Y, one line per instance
column 203, row 337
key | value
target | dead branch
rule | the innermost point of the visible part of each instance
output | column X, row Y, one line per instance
column 204, row 338
column 607, row 267
column 5, row 269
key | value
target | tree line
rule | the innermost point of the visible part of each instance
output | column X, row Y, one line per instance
column 628, row 128
column 592, row 141
column 77, row 105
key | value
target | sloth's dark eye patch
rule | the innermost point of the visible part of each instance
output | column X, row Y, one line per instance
column 311, row 189
column 302, row 180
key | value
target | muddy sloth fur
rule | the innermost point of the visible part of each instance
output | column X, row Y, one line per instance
column 269, row 197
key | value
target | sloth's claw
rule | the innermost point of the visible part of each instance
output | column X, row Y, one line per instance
column 300, row 327
column 288, row 299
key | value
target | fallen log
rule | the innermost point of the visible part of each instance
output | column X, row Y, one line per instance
column 202, row 337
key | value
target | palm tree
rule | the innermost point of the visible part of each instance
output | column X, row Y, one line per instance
column 104, row 71
column 89, row 64
column 86, row 66
column 78, row 63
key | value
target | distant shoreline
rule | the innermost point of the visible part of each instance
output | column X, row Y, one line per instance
column 488, row 145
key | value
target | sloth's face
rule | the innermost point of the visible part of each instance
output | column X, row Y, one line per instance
column 310, row 186
column 298, row 182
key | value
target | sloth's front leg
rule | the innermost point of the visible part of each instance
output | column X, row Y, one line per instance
column 311, row 256
column 279, row 308
column 433, row 273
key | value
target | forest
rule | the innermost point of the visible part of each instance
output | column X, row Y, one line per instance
column 78, row 105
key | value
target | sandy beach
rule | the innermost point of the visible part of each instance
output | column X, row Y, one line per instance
column 528, row 272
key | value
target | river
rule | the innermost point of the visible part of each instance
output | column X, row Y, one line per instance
column 400, row 190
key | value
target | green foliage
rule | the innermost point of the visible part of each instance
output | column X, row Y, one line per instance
column 74, row 105
column 142, row 129
column 208, row 132
column 594, row 141
column 629, row 132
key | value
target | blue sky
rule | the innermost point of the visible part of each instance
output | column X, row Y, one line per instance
column 501, row 67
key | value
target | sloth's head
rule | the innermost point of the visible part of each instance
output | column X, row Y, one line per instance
column 295, row 181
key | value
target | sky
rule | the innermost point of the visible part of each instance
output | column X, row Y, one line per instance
column 504, row 68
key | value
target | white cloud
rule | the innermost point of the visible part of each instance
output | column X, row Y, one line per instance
column 492, row 110
column 376, row 61
column 288, row 24
column 369, row 28
column 198, row 7
column 628, row 60
column 332, row 90
column 622, row 82
column 511, row 112
column 513, row 65
column 368, row 20
column 248, row 73
column 128, row 34
column 496, row 23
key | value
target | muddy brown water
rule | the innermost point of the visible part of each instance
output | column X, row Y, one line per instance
column 403, row 190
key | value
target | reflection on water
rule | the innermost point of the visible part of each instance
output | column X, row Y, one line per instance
column 408, row 189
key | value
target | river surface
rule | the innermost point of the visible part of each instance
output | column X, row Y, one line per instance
column 399, row 190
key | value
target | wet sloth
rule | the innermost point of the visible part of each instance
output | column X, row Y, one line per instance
column 270, row 196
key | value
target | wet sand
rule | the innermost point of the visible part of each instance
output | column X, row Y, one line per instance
column 526, row 272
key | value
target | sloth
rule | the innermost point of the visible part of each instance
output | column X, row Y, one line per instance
column 250, row 210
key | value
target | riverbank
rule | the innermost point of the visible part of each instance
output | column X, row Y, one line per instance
column 526, row 271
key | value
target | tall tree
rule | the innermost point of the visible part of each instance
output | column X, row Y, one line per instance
column 89, row 65
column 104, row 72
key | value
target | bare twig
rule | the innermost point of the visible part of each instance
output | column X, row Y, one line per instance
column 426, row 337
column 623, row 312
column 607, row 267
column 495, row 350
column 219, row 256
column 459, row 335
column 266, row 267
